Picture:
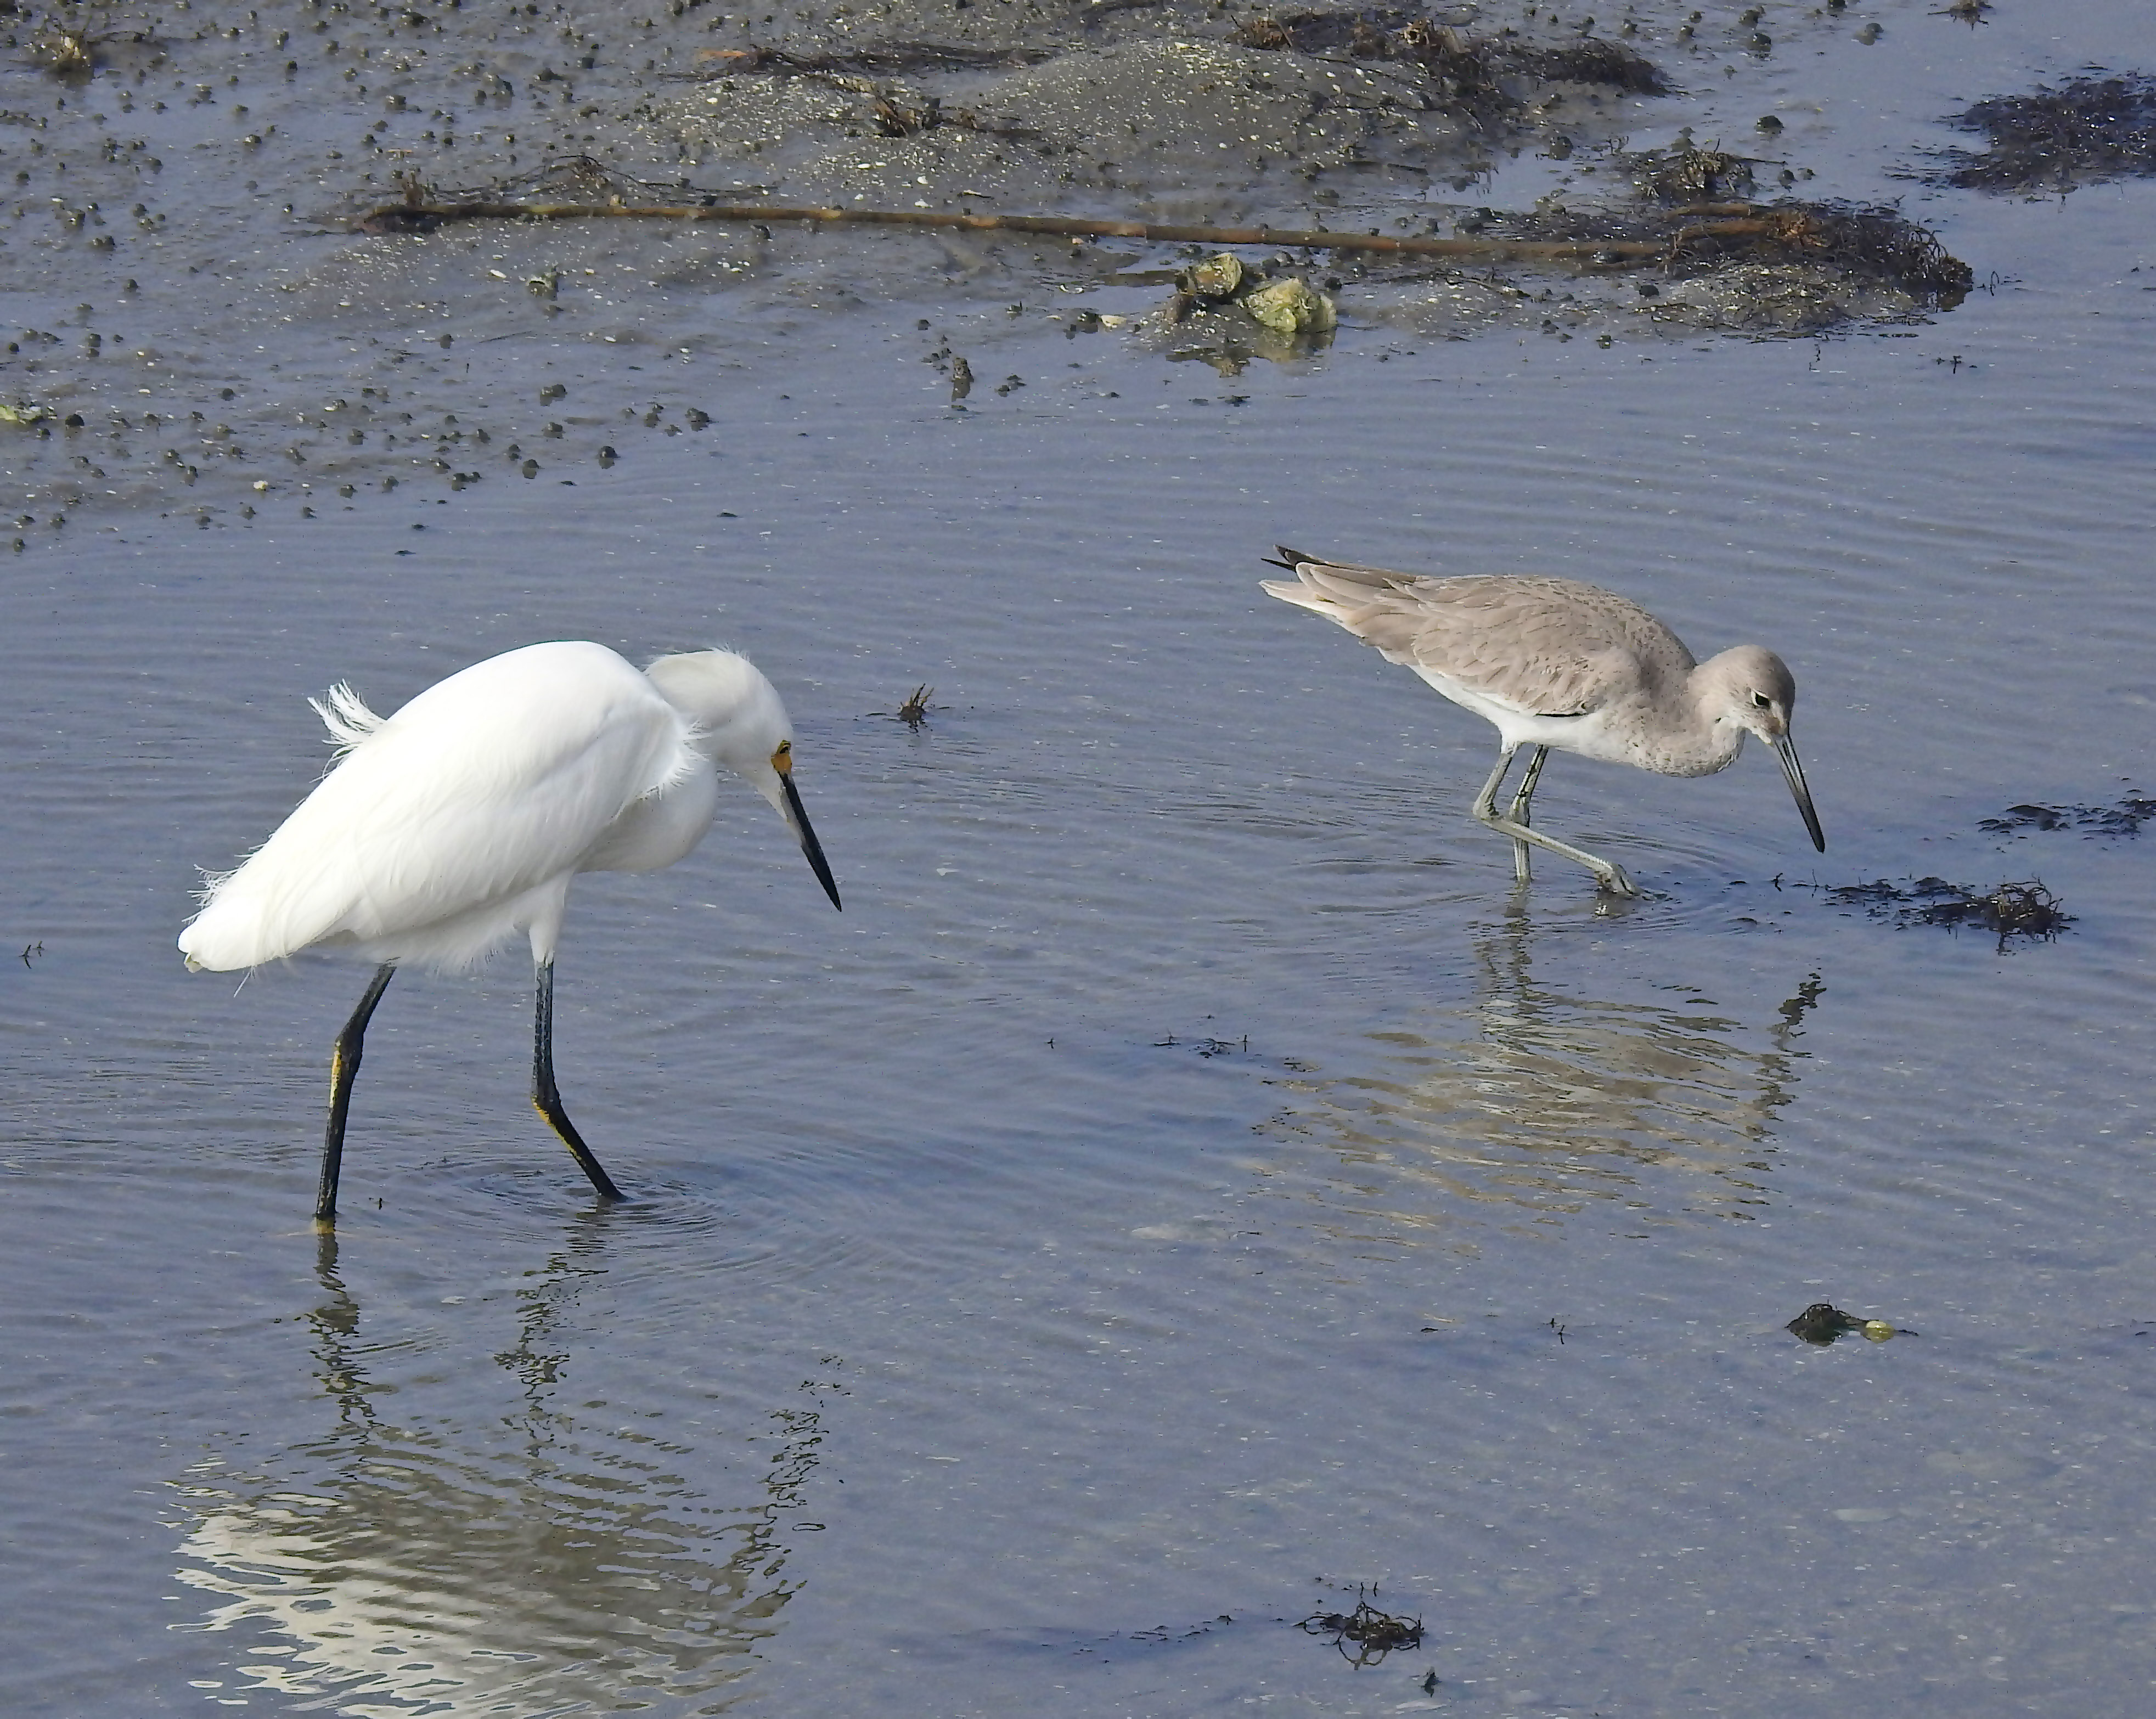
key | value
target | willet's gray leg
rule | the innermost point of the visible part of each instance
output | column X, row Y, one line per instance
column 1522, row 804
column 1611, row 876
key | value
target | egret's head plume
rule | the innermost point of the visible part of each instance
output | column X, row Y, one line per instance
column 739, row 720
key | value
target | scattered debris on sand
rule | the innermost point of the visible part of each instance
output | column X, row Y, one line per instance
column 2080, row 133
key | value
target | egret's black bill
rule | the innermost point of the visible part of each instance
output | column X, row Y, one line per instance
column 1786, row 751
column 813, row 850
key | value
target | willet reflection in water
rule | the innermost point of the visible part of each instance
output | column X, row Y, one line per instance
column 1551, row 1104
column 523, row 1563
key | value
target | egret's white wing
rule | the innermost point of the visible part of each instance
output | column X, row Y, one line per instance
column 483, row 787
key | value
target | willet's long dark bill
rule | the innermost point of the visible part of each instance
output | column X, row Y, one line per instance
column 1555, row 663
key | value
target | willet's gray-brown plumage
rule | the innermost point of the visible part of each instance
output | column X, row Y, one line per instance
column 1557, row 663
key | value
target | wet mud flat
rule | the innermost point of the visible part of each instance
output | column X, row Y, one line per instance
column 196, row 319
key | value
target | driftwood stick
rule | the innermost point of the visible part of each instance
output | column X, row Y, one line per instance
column 425, row 217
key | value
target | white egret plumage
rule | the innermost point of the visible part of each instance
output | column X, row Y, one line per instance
column 1557, row 663
column 447, row 829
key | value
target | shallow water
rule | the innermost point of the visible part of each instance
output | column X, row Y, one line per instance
column 1186, row 1187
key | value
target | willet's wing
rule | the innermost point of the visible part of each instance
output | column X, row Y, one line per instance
column 1550, row 647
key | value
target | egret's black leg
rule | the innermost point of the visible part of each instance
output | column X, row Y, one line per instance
column 344, row 1068
column 548, row 1098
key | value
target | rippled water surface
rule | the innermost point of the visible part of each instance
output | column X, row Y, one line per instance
column 1188, row 1190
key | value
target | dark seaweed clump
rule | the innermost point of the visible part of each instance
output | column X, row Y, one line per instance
column 1375, row 1633
column 1857, row 241
column 2080, row 133
column 1873, row 243
column 1689, row 174
column 2124, row 819
column 2025, row 911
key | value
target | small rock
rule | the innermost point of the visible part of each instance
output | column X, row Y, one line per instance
column 1291, row 307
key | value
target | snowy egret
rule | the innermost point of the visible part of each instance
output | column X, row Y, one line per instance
column 444, row 830
column 1556, row 663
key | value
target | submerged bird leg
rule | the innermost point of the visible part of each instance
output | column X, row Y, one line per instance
column 344, row 1069
column 1522, row 803
column 1610, row 874
column 547, row 1098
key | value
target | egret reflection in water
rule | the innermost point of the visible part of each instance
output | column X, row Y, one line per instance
column 534, row 1564
column 1525, row 1101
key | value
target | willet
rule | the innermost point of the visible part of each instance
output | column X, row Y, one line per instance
column 1557, row 663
